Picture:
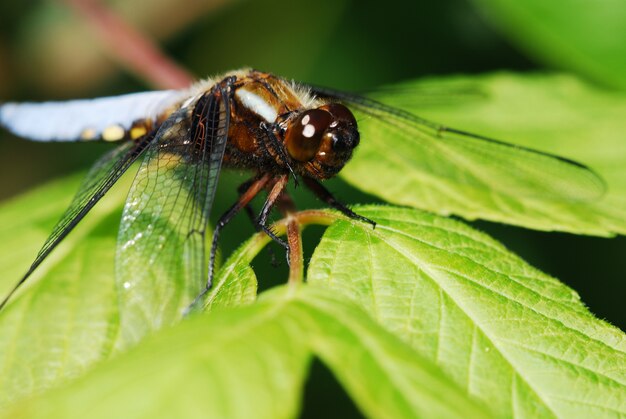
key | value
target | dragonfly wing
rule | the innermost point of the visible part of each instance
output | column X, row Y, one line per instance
column 161, row 245
column 475, row 160
column 72, row 120
column 102, row 176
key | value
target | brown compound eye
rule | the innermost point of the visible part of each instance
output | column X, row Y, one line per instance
column 340, row 112
column 304, row 135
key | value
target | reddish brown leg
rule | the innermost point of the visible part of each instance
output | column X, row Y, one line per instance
column 244, row 199
column 254, row 188
column 294, row 238
column 252, row 216
column 280, row 183
column 248, row 208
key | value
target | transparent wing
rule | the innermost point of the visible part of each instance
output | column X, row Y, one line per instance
column 472, row 159
column 161, row 244
column 67, row 120
column 102, row 176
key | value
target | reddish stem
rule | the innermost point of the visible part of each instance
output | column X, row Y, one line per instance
column 131, row 48
column 296, row 262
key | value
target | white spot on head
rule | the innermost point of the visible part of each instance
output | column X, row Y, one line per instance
column 309, row 130
column 306, row 119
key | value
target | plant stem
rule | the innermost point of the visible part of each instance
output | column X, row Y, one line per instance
column 296, row 262
column 131, row 48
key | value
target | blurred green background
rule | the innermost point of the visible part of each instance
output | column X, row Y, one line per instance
column 49, row 52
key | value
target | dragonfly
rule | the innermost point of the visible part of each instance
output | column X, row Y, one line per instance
column 276, row 128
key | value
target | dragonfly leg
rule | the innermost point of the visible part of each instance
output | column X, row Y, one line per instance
column 249, row 211
column 324, row 194
column 278, row 146
column 272, row 198
column 255, row 186
column 252, row 216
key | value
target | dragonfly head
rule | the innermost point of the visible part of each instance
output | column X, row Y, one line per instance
column 322, row 139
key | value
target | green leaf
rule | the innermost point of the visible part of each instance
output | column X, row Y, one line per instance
column 80, row 331
column 235, row 283
column 251, row 362
column 384, row 377
column 66, row 316
column 22, row 236
column 557, row 114
column 508, row 335
column 247, row 363
column 517, row 339
column 585, row 37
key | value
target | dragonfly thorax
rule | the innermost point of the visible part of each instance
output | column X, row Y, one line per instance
column 276, row 127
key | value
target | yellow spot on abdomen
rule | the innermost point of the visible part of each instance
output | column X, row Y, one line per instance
column 88, row 134
column 136, row 132
column 113, row 133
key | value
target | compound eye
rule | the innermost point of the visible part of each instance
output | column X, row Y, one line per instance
column 304, row 135
column 341, row 113
column 338, row 143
